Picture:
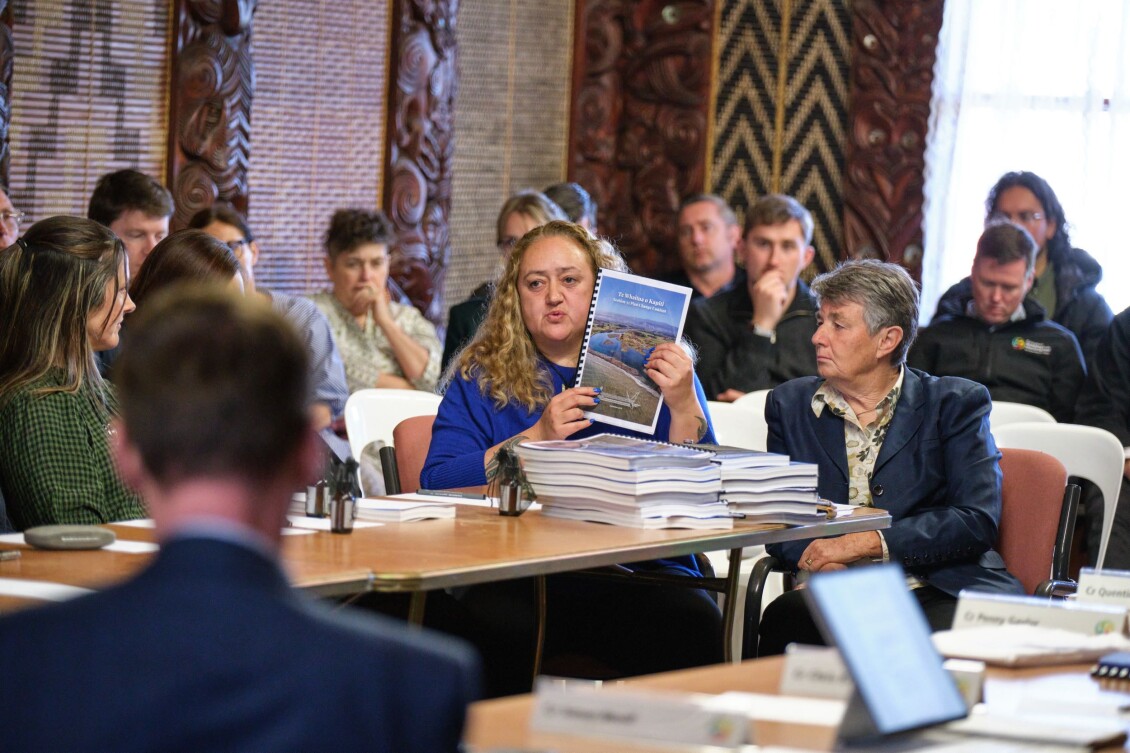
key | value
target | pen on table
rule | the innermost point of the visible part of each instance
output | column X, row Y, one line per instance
column 9, row 554
column 448, row 493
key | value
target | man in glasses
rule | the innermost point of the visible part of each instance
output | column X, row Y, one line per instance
column 327, row 371
column 10, row 219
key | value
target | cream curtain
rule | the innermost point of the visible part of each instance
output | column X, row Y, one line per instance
column 1038, row 85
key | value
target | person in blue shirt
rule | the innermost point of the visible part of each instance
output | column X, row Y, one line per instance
column 510, row 385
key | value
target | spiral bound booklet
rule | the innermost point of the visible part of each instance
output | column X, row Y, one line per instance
column 628, row 317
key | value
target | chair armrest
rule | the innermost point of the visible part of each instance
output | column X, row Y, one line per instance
column 1061, row 553
column 1056, row 589
column 755, row 590
column 389, row 469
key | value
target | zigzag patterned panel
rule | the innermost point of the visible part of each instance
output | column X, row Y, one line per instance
column 805, row 157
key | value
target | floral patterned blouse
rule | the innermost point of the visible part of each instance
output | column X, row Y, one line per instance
column 366, row 350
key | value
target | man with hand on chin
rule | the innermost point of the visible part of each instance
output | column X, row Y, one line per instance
column 759, row 334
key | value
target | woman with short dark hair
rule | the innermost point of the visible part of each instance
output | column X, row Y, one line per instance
column 383, row 343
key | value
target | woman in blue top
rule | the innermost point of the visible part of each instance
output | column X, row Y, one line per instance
column 509, row 386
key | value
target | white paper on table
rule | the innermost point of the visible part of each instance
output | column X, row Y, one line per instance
column 131, row 547
column 139, row 523
column 1026, row 645
column 38, row 589
column 821, row 712
column 309, row 525
column 13, row 538
column 450, row 498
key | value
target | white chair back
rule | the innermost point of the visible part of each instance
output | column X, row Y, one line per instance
column 1086, row 452
column 1004, row 413
column 755, row 403
column 735, row 425
column 371, row 415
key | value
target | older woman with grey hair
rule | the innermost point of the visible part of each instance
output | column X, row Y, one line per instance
column 892, row 437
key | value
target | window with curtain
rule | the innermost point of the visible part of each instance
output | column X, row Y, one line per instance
column 1039, row 85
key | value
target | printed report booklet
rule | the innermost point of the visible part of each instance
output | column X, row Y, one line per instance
column 628, row 317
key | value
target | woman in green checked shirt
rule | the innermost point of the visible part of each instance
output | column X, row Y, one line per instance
column 63, row 293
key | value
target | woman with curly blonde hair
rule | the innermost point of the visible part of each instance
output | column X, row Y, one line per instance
column 512, row 384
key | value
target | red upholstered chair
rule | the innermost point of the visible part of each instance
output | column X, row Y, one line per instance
column 411, row 438
column 1038, row 509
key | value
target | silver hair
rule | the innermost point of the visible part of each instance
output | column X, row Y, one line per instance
column 886, row 292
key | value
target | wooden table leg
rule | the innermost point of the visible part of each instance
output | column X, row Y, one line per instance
column 416, row 608
column 539, row 645
column 730, row 607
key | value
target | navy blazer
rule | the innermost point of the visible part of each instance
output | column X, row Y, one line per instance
column 937, row 474
column 209, row 649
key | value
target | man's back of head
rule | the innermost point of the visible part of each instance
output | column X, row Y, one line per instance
column 136, row 207
column 207, row 648
column 213, row 384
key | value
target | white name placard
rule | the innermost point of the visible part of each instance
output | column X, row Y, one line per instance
column 1104, row 587
column 985, row 610
column 815, row 672
column 673, row 718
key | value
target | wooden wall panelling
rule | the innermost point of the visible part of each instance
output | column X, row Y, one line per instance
column 213, row 80
column 422, row 87
column 638, row 131
column 893, row 53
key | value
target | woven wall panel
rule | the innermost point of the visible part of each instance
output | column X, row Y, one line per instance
column 89, row 95
column 511, row 121
column 317, row 128
column 805, row 157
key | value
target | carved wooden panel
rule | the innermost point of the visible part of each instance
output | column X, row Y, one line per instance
column 422, row 87
column 7, row 53
column 638, row 132
column 213, row 80
column 893, row 52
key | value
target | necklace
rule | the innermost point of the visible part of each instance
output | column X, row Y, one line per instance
column 553, row 367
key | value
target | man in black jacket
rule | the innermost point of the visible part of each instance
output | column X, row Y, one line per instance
column 1065, row 277
column 759, row 334
column 999, row 337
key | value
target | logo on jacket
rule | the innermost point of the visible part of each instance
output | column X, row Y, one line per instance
column 1031, row 346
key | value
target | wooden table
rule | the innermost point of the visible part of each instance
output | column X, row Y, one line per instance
column 477, row 546
column 504, row 723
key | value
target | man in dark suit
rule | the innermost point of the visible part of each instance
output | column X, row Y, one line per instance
column 891, row 437
column 209, row 648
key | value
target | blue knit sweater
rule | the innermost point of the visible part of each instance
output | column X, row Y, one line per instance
column 469, row 423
